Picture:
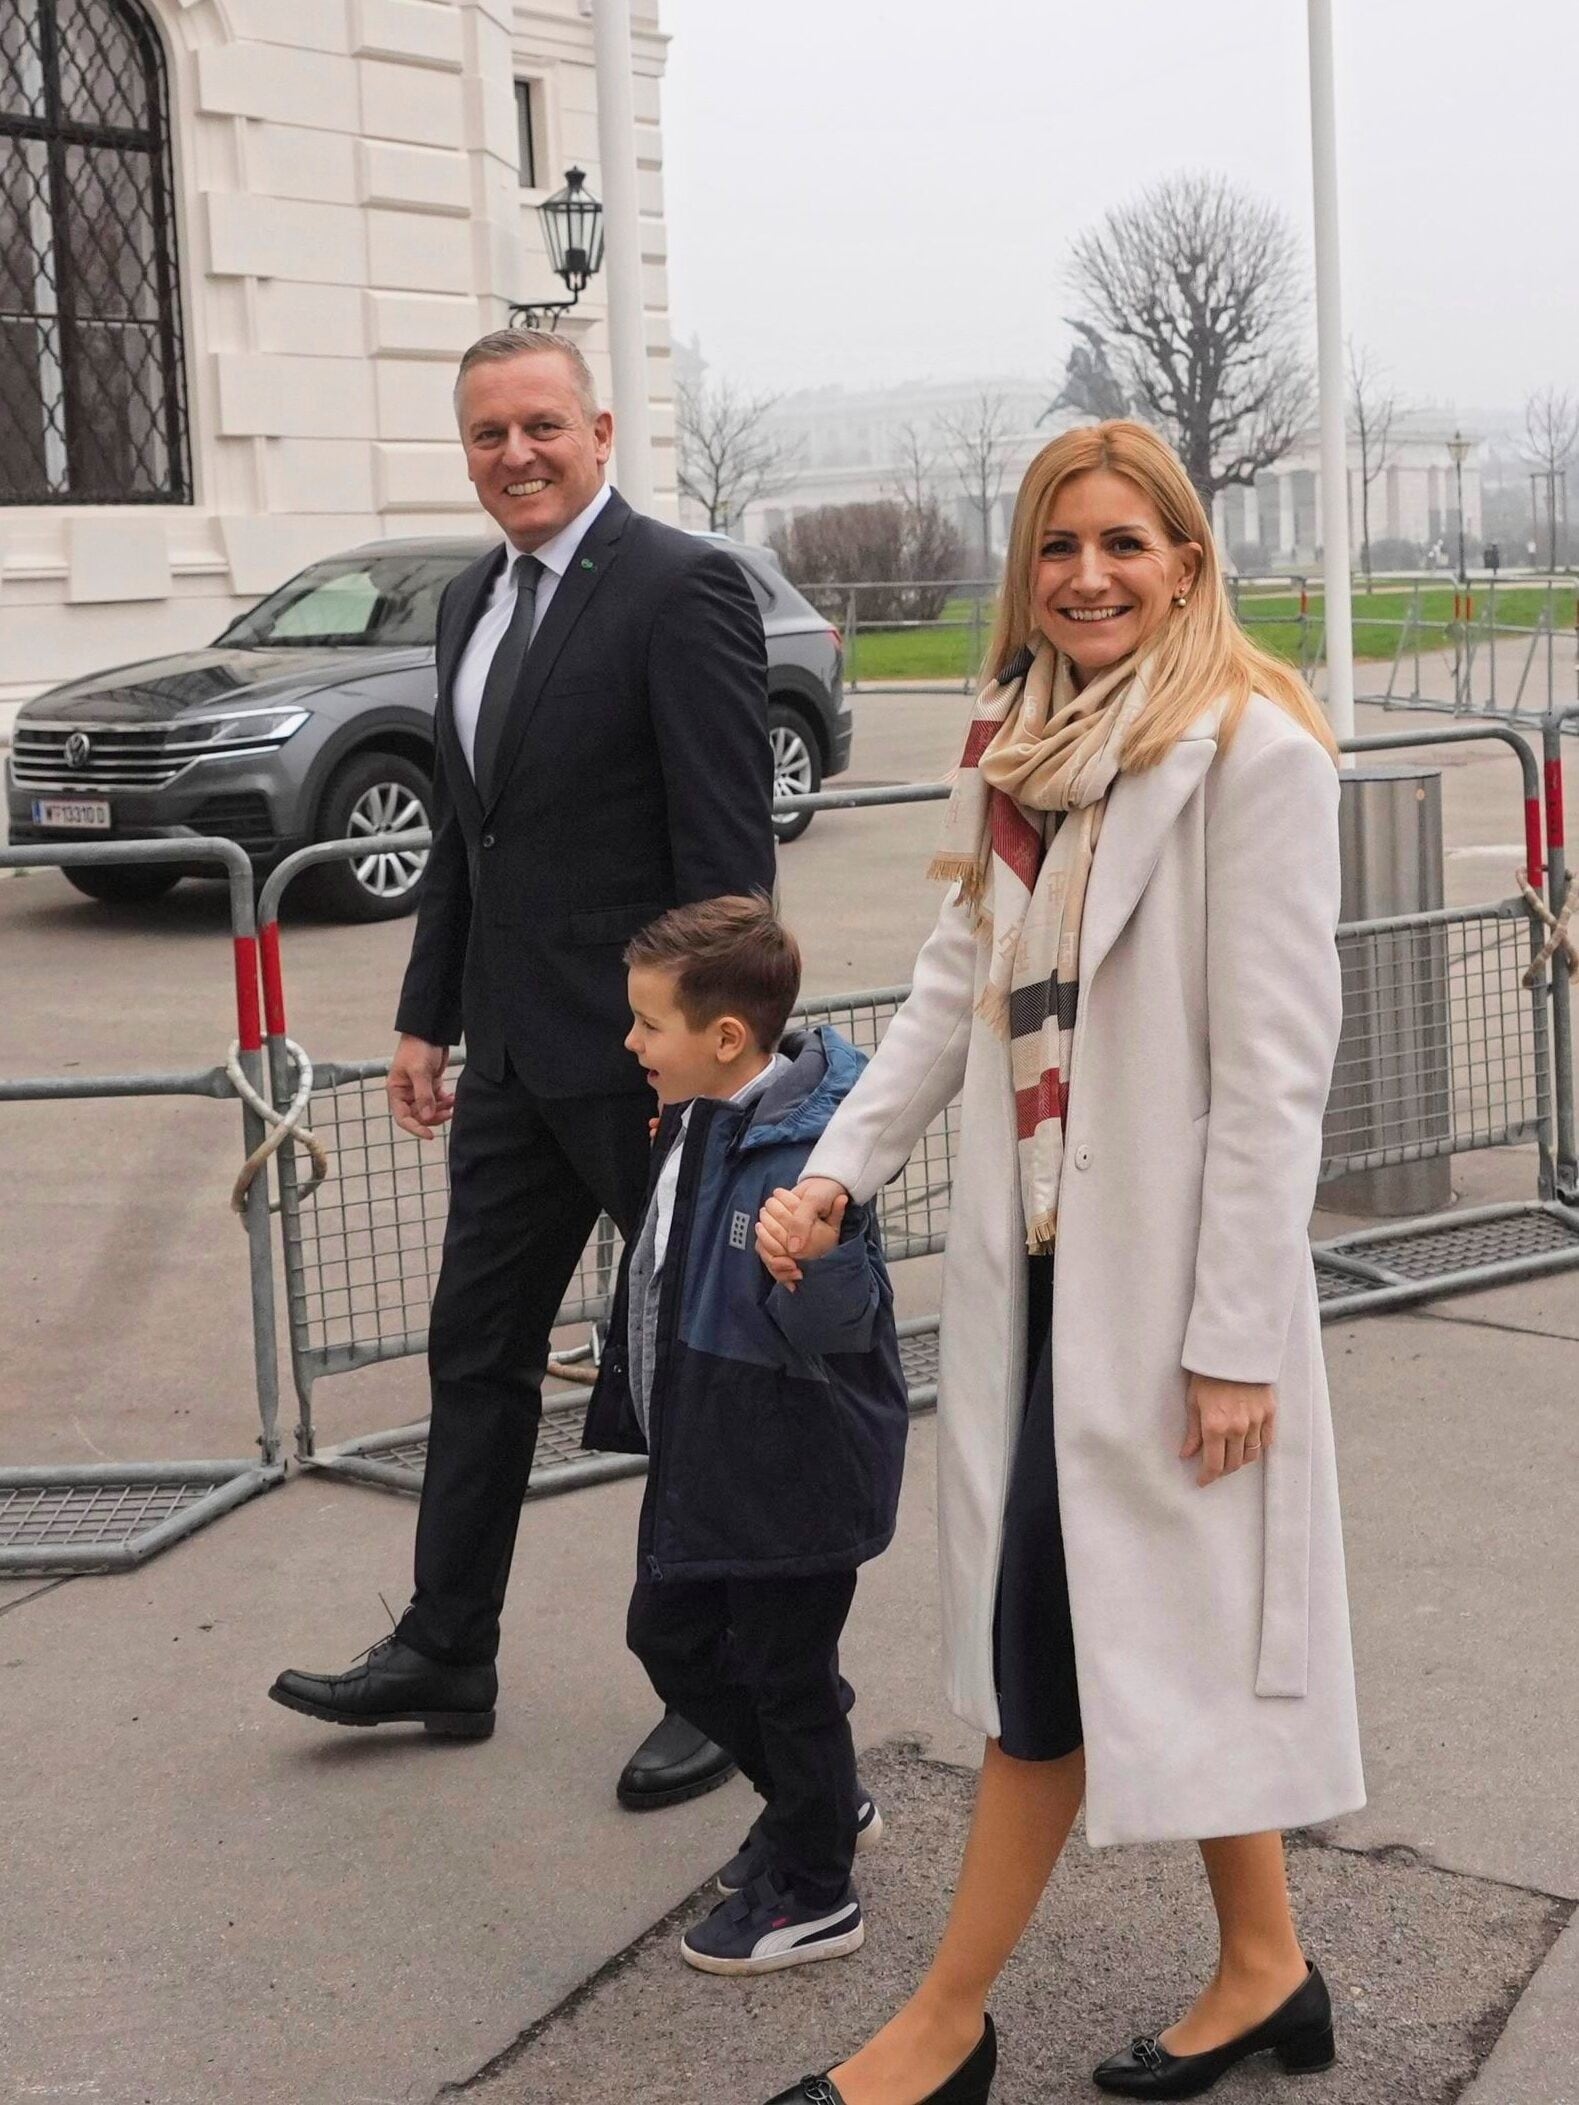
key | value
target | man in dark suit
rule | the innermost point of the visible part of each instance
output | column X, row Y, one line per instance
column 602, row 756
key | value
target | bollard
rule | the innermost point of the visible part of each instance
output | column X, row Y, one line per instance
column 1393, row 1081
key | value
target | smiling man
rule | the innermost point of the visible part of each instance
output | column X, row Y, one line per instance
column 602, row 756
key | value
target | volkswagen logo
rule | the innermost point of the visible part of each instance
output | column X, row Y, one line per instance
column 78, row 747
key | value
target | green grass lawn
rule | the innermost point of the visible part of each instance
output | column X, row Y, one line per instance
column 952, row 649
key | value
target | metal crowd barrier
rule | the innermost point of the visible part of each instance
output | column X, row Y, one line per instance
column 110, row 1516
column 361, row 1258
column 1406, row 622
column 361, row 1255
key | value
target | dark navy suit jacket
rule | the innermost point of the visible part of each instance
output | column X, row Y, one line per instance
column 634, row 774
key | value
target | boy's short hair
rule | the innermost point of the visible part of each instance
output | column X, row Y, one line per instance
column 727, row 957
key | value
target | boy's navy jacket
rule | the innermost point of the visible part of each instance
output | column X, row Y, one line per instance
column 777, row 1420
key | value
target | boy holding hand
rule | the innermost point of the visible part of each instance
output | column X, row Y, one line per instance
column 773, row 1416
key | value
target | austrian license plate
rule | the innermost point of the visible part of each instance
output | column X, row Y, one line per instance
column 75, row 814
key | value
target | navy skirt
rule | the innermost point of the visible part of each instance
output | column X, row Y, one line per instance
column 1033, row 1639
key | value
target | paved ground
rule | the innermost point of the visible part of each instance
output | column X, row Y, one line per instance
column 1426, row 1967
column 210, row 1901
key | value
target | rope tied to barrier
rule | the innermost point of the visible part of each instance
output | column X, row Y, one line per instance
column 283, row 1125
column 1559, row 943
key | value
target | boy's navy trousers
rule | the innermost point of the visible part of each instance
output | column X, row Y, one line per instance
column 754, row 1663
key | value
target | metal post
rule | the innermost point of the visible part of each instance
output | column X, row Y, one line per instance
column 1562, row 1005
column 611, row 39
column 1329, row 345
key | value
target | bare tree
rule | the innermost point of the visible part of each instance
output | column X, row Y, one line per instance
column 913, row 478
column 1372, row 409
column 1551, row 435
column 931, row 551
column 973, row 440
column 728, row 459
column 1195, row 293
column 1091, row 387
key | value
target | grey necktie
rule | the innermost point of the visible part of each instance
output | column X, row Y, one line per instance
column 498, row 688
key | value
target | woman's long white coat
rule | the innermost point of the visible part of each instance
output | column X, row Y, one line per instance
column 1211, row 1626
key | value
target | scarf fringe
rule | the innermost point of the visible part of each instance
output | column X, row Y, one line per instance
column 964, row 870
column 1042, row 1235
column 992, row 1006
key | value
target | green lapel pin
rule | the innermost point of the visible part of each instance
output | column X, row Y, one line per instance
column 587, row 563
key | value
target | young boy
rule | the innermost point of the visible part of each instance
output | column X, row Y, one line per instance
column 774, row 1419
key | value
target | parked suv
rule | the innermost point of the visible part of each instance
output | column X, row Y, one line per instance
column 311, row 718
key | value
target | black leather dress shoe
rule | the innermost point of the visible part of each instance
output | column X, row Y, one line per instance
column 393, row 1685
column 1299, row 2032
column 674, row 1762
column 970, row 2084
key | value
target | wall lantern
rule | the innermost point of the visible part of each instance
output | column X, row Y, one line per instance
column 573, row 231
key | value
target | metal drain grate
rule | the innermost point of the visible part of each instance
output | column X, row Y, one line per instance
column 1440, row 1252
column 1333, row 1285
column 396, row 1460
column 58, row 1515
column 1485, row 1246
column 104, row 1519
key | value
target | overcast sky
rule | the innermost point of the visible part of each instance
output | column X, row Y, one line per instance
column 881, row 190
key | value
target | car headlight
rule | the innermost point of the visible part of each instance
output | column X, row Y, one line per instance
column 257, row 727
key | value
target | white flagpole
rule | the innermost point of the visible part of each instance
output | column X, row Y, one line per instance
column 611, row 36
column 1330, row 376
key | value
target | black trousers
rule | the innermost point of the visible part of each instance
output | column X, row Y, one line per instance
column 1033, row 1636
column 754, row 1663
column 528, row 1177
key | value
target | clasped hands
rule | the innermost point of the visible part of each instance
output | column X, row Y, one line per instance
column 1228, row 1423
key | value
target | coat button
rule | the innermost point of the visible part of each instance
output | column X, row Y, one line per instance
column 487, row 840
column 1082, row 1156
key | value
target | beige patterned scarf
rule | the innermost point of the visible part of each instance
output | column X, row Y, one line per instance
column 1019, row 836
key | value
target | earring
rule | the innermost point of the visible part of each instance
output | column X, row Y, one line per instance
column 1180, row 598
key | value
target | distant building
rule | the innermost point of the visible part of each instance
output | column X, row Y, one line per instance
column 241, row 245
column 852, row 443
column 1413, row 499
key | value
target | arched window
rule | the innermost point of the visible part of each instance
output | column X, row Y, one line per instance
column 92, row 388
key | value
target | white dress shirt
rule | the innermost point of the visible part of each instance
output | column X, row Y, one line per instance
column 669, row 1176
column 555, row 556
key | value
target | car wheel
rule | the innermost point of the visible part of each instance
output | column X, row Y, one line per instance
column 797, row 766
column 134, row 884
column 374, row 793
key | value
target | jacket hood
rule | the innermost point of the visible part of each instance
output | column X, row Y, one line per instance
column 797, row 1106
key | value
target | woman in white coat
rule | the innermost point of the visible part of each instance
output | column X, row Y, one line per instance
column 1134, row 988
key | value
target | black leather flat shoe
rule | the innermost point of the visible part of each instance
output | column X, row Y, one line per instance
column 1299, row 2033
column 393, row 1685
column 970, row 2084
column 674, row 1762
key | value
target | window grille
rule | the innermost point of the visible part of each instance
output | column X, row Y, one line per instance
column 92, row 384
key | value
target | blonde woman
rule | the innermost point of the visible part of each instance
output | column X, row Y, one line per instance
column 1133, row 985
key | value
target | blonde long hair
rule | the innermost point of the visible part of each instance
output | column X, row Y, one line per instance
column 1202, row 654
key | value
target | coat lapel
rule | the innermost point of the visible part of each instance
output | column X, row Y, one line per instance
column 1135, row 825
column 474, row 586
column 590, row 564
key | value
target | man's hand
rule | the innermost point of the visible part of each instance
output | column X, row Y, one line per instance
column 792, row 1221
column 419, row 1106
column 1230, row 1424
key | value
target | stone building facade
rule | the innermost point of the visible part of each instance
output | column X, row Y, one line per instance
column 241, row 245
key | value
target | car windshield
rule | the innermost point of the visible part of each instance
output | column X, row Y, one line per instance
column 388, row 601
